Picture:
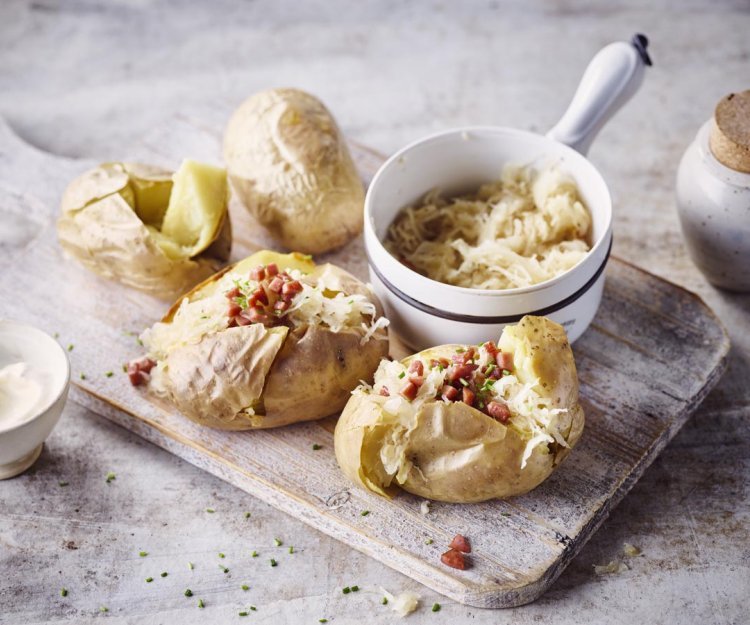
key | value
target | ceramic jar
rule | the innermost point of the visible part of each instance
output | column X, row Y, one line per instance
column 713, row 195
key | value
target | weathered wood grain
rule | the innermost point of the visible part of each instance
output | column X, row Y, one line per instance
column 651, row 355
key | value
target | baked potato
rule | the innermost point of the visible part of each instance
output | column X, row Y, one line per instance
column 291, row 168
column 269, row 341
column 464, row 423
column 146, row 228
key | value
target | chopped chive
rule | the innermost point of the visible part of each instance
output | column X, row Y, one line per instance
column 316, row 447
column 109, row 374
column 460, row 350
column 505, row 514
column 63, row 592
column 83, row 376
column 401, row 375
column 428, row 541
column 143, row 554
column 223, row 568
column 254, row 554
column 190, row 566
column 56, row 335
column 210, row 510
column 104, row 608
column 62, row 483
column 277, row 542
column 188, row 592
column 244, row 613
column 346, row 590
column 70, row 347
column 110, row 476
column 221, row 555
column 273, row 562
column 364, row 513
column 506, row 372
column 247, row 515
column 384, row 601
column 355, row 588
column 201, row 604
column 436, row 607
column 164, row 574
column 245, row 587
column 253, row 608
column 464, row 382
column 291, row 549
column 124, row 368
column 322, row 620
column 140, row 342
column 149, row 579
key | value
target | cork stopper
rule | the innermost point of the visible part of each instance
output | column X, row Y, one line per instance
column 730, row 134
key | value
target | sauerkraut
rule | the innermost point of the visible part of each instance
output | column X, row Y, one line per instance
column 526, row 228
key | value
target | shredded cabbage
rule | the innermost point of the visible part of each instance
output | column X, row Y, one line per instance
column 524, row 229
column 315, row 305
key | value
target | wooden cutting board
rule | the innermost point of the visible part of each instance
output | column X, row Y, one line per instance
column 651, row 355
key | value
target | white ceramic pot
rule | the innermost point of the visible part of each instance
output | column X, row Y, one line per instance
column 424, row 312
column 713, row 203
column 21, row 444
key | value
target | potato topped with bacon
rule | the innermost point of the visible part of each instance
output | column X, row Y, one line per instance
column 466, row 423
column 271, row 340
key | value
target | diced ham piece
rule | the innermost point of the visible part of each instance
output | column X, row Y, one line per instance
column 409, row 391
column 490, row 348
column 234, row 309
column 272, row 269
column 291, row 288
column 281, row 305
column 449, row 393
column 384, row 392
column 460, row 543
column 440, row 362
column 468, row 396
column 504, row 360
column 416, row 367
column 498, row 411
column 232, row 293
column 454, row 559
column 276, row 284
column 138, row 370
column 459, row 372
column 258, row 274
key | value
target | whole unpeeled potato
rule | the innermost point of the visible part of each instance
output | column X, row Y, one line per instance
column 289, row 164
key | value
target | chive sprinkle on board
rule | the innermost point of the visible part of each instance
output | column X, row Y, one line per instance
column 63, row 592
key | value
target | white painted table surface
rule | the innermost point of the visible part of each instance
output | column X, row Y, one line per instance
column 86, row 79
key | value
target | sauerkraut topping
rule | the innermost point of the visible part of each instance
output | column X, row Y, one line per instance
column 266, row 296
column 482, row 377
column 526, row 228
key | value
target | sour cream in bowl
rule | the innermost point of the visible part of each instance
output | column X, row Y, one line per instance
column 34, row 381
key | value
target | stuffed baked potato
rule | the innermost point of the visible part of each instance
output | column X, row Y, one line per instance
column 146, row 228
column 269, row 341
column 466, row 423
column 291, row 168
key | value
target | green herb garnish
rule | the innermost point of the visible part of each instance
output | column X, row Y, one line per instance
column 384, row 601
column 322, row 620
column 254, row 554
column 210, row 510
column 244, row 613
column 355, row 588
column 63, row 592
column 364, row 513
column 464, row 382
column 346, row 590
column 143, row 554
column 401, row 375
column 291, row 549
column 149, row 580
column 253, row 608
column 83, row 376
column 62, row 483
column 188, row 593
column 223, row 568
column 316, row 447
column 109, row 374
column 245, row 587
column 70, row 347
column 429, row 541
column 110, row 476
column 221, row 555
column 190, row 566
column 436, row 607
column 104, row 608
column 247, row 515
column 164, row 573
column 277, row 542
column 273, row 562
column 201, row 604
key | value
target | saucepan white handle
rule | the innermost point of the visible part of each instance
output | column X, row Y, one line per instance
column 610, row 80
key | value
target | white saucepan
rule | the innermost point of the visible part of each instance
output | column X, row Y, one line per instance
column 425, row 312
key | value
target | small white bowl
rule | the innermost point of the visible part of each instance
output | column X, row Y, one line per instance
column 424, row 312
column 20, row 445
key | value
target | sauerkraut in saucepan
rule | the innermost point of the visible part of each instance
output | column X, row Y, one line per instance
column 526, row 228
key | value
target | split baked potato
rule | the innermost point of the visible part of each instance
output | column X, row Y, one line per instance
column 289, row 165
column 147, row 228
column 464, row 423
column 271, row 340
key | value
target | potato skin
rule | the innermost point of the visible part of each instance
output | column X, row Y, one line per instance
column 288, row 375
column 457, row 453
column 100, row 229
column 289, row 165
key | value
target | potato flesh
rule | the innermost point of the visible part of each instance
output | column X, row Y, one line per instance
column 151, row 197
column 195, row 210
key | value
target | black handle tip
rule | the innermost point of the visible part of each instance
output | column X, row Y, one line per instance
column 640, row 43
